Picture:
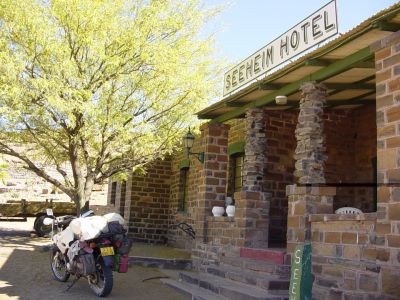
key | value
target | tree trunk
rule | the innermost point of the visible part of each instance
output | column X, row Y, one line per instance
column 82, row 196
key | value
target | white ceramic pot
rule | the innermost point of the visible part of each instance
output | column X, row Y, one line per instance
column 230, row 210
column 228, row 201
column 218, row 211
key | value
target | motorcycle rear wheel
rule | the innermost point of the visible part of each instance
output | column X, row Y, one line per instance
column 59, row 266
column 101, row 282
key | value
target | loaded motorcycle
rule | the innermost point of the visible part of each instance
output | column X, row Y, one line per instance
column 90, row 247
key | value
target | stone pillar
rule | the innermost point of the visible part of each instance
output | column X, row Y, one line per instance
column 387, row 241
column 307, row 197
column 212, row 181
column 310, row 151
column 255, row 150
column 252, row 204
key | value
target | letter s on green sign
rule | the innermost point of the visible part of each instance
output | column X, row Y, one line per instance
column 297, row 256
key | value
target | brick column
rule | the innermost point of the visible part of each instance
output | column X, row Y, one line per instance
column 387, row 53
column 310, row 157
column 212, row 187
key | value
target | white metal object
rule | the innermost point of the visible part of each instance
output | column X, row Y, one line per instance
column 49, row 212
column 47, row 221
column 281, row 100
column 230, row 210
column 348, row 210
column 228, row 201
column 218, row 211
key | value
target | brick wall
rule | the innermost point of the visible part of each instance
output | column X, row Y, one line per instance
column 236, row 131
column 149, row 203
column 351, row 146
column 387, row 61
column 358, row 257
column 281, row 144
column 365, row 153
column 176, row 236
column 343, row 259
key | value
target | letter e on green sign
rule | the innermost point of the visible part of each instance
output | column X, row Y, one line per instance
column 301, row 278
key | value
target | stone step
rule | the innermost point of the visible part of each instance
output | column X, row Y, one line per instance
column 230, row 289
column 262, row 280
column 250, row 264
column 192, row 292
column 275, row 256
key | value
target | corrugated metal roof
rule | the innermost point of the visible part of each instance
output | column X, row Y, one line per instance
column 357, row 38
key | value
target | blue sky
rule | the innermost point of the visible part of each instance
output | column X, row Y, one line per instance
column 247, row 25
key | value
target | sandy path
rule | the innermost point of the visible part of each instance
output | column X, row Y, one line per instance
column 25, row 273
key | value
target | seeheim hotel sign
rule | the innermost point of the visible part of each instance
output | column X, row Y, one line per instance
column 318, row 27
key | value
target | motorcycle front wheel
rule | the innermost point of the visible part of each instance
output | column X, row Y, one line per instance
column 101, row 282
column 59, row 266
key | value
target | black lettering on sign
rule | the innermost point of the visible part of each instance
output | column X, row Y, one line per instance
column 241, row 73
column 257, row 64
column 234, row 74
column 270, row 56
column 249, row 69
column 284, row 45
column 294, row 39
column 304, row 29
column 328, row 27
column 315, row 27
column 228, row 82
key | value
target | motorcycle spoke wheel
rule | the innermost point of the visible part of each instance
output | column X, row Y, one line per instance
column 101, row 282
column 59, row 267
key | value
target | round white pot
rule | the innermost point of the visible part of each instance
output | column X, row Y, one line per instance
column 218, row 211
column 230, row 210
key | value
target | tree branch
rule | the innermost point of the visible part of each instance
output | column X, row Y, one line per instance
column 4, row 149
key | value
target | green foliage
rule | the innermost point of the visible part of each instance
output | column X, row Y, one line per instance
column 104, row 85
column 3, row 172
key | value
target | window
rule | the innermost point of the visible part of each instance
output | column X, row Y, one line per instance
column 113, row 192
column 236, row 162
column 237, row 172
column 123, row 196
column 184, row 187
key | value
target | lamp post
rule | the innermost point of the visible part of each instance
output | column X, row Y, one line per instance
column 188, row 140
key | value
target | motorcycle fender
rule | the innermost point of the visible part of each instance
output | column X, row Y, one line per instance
column 65, row 238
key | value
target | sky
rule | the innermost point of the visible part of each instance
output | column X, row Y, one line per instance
column 247, row 25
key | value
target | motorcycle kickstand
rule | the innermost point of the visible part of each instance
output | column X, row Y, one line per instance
column 72, row 283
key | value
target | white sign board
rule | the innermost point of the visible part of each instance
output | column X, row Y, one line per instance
column 318, row 27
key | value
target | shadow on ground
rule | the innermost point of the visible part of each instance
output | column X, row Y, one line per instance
column 25, row 274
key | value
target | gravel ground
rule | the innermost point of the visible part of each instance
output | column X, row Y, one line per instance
column 25, row 272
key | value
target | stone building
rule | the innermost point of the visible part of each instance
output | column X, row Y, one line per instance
column 334, row 144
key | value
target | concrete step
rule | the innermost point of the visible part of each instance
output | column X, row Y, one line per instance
column 161, row 263
column 283, row 271
column 231, row 289
column 262, row 280
column 275, row 256
column 192, row 292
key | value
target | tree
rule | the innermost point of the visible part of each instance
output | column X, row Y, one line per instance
column 102, row 86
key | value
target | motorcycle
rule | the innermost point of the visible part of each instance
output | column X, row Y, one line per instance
column 90, row 247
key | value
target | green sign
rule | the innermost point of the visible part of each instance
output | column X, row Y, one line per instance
column 301, row 278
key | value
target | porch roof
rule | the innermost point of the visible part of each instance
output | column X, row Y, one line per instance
column 346, row 66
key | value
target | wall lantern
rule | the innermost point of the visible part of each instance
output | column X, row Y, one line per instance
column 188, row 140
column 281, row 100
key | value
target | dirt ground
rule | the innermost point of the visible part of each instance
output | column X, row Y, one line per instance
column 25, row 272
